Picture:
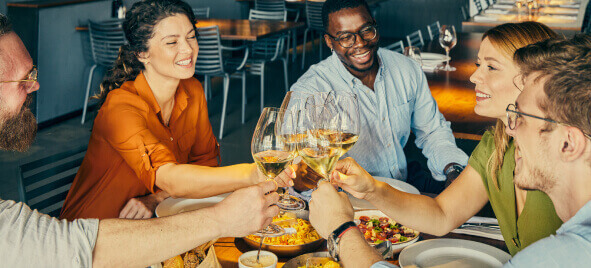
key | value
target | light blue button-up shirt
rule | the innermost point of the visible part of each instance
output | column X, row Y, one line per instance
column 570, row 247
column 400, row 102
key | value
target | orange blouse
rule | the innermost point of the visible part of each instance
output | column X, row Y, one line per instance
column 129, row 141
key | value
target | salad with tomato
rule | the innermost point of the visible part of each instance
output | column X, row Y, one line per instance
column 379, row 229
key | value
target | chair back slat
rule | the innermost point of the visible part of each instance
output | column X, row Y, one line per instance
column 415, row 39
column 396, row 46
column 271, row 46
column 267, row 15
column 106, row 37
column 209, row 60
column 433, row 30
column 270, row 5
column 314, row 15
column 44, row 183
column 201, row 12
column 478, row 5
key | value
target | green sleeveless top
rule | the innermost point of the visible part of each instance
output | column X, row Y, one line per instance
column 538, row 218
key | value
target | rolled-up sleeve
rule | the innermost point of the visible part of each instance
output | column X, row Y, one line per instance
column 32, row 239
column 433, row 132
column 128, row 133
column 205, row 150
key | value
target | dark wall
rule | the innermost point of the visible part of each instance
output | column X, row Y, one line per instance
column 397, row 18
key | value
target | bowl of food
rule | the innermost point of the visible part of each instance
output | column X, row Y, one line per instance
column 315, row 260
column 249, row 259
column 300, row 237
column 378, row 228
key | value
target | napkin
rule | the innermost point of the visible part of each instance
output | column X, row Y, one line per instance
column 484, row 18
column 482, row 231
column 497, row 11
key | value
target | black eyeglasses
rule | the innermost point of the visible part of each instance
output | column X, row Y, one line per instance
column 348, row 39
column 513, row 115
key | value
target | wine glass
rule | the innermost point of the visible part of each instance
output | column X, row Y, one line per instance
column 413, row 53
column 448, row 40
column 270, row 153
column 320, row 146
column 347, row 107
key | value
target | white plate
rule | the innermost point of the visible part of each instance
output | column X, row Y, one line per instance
column 376, row 213
column 433, row 57
column 446, row 252
column 399, row 185
column 171, row 206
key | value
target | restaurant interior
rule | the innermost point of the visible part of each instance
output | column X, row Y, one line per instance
column 59, row 35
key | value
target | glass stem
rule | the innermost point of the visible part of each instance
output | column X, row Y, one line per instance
column 447, row 57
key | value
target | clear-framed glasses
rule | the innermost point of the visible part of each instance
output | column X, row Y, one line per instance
column 27, row 83
column 513, row 116
column 347, row 40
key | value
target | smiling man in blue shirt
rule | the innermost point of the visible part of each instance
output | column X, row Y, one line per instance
column 393, row 95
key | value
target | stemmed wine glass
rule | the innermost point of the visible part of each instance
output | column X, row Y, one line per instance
column 271, row 153
column 413, row 53
column 448, row 40
column 348, row 109
column 321, row 143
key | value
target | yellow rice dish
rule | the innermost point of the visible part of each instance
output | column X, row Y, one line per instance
column 305, row 232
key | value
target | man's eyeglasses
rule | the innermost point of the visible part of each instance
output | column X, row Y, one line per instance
column 27, row 83
column 518, row 81
column 347, row 39
column 513, row 116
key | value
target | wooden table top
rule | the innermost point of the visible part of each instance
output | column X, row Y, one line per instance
column 453, row 91
column 246, row 30
column 229, row 249
column 249, row 30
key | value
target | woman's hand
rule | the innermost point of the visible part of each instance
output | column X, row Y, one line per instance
column 284, row 179
column 142, row 207
column 352, row 178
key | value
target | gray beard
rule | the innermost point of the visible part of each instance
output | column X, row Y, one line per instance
column 18, row 132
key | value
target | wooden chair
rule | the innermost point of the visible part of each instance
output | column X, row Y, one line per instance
column 396, row 46
column 415, row 39
column 44, row 184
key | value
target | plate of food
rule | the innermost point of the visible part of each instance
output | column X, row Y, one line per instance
column 172, row 206
column 192, row 258
column 377, row 228
column 300, row 238
column 359, row 204
column 446, row 252
column 315, row 260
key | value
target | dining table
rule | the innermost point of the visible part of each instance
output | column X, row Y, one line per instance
column 243, row 30
column 229, row 249
column 565, row 17
column 302, row 3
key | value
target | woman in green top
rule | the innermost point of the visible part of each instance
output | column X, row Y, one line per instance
column 524, row 216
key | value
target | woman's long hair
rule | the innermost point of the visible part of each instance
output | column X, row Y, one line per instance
column 507, row 38
column 138, row 27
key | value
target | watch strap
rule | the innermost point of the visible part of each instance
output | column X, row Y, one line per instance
column 335, row 238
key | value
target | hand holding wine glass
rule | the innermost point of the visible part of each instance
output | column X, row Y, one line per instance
column 448, row 40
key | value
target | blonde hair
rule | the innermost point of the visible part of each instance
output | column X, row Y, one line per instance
column 507, row 38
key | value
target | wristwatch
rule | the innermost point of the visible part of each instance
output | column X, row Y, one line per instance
column 335, row 237
column 454, row 167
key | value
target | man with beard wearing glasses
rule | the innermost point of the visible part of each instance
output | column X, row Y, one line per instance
column 393, row 97
column 31, row 239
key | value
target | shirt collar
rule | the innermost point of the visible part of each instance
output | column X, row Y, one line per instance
column 145, row 92
column 580, row 218
column 347, row 76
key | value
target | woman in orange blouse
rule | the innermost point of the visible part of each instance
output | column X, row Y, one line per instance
column 152, row 131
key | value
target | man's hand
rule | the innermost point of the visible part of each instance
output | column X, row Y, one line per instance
column 284, row 179
column 247, row 210
column 352, row 178
column 142, row 207
column 329, row 209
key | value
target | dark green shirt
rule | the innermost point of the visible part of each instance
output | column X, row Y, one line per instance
column 538, row 218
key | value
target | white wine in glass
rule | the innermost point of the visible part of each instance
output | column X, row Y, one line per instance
column 272, row 162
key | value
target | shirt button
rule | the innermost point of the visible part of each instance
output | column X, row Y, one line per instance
column 383, row 119
column 171, row 138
